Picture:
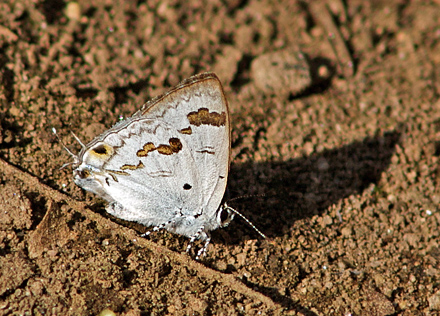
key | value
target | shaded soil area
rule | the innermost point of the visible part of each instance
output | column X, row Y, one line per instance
column 335, row 139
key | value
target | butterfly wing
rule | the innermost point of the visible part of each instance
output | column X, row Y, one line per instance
column 169, row 162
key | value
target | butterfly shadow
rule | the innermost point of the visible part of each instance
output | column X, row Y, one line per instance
column 301, row 188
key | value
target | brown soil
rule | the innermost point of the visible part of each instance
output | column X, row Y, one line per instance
column 347, row 159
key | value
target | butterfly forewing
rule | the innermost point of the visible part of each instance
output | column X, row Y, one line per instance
column 204, row 125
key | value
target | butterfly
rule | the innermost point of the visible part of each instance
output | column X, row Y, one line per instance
column 167, row 165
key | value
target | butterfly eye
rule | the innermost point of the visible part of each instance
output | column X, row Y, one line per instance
column 83, row 173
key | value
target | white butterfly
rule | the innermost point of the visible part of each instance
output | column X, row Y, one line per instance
column 167, row 165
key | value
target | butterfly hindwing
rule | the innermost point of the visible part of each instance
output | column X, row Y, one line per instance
column 169, row 162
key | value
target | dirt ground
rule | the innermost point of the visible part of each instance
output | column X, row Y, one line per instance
column 335, row 135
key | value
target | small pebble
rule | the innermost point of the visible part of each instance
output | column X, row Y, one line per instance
column 73, row 11
column 281, row 72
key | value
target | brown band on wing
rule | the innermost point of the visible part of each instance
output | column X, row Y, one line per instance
column 118, row 172
column 148, row 147
column 175, row 144
column 204, row 117
column 113, row 174
column 186, row 131
column 133, row 167
column 206, row 152
column 174, row 147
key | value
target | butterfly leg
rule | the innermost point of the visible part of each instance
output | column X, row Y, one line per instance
column 157, row 228
column 192, row 239
column 202, row 251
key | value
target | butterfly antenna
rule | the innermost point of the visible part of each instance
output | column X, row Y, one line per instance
column 227, row 207
column 79, row 140
column 246, row 196
column 75, row 157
